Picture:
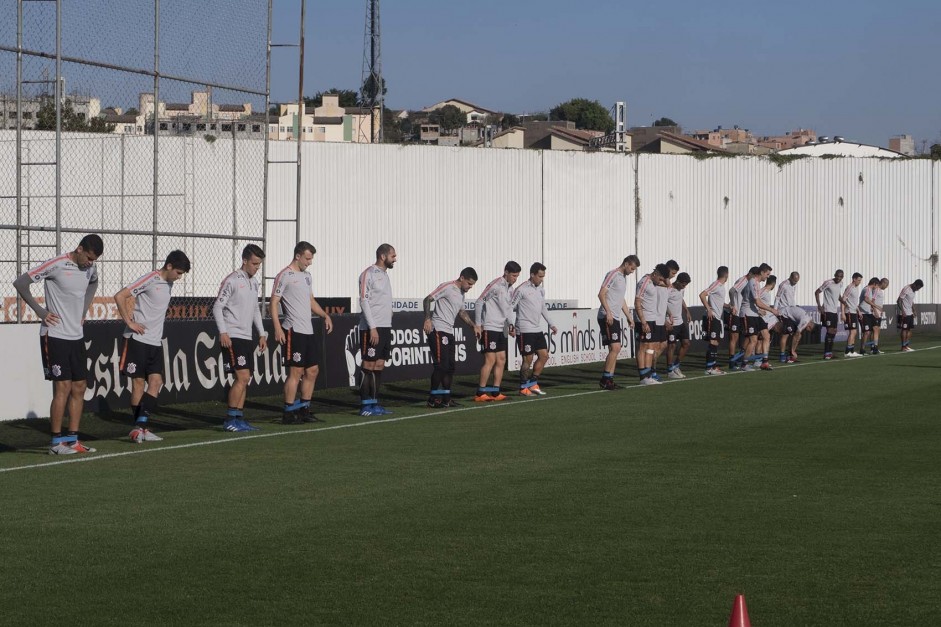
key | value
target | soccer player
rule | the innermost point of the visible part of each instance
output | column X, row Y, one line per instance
column 375, row 328
column 611, row 295
column 70, row 283
column 751, row 312
column 793, row 320
column 832, row 291
column 292, row 293
column 768, row 320
column 735, row 321
column 235, row 311
column 650, row 310
column 786, row 296
column 143, row 306
column 493, row 318
column 878, row 297
column 677, row 326
column 868, row 312
column 529, row 303
column 448, row 299
column 906, row 313
column 850, row 302
column 713, row 299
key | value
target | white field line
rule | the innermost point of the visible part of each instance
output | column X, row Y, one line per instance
column 80, row 459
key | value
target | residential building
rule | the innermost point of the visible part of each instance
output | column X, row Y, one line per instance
column 327, row 123
column 84, row 107
column 475, row 113
column 513, row 137
column 643, row 135
column 671, row 143
column 904, row 144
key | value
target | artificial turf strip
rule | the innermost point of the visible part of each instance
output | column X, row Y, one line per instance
column 813, row 490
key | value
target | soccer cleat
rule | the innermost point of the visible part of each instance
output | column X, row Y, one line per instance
column 649, row 381
column 499, row 397
column 656, row 377
column 136, row 435
column 247, row 426
column 483, row 398
column 766, row 366
column 673, row 374
column 608, row 384
column 792, row 360
column 875, row 351
column 828, row 356
column 734, row 367
column 233, row 425
column 749, row 368
column 78, row 447
column 783, row 359
column 368, row 410
column 435, row 402
column 908, row 349
column 304, row 415
column 535, row 388
column 291, row 418
column 527, row 392
column 62, row 449
column 150, row 436
column 715, row 371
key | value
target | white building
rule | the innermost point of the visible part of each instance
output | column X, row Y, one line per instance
column 840, row 148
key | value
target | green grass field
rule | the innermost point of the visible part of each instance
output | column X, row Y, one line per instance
column 815, row 490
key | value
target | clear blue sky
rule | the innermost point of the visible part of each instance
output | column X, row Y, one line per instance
column 865, row 69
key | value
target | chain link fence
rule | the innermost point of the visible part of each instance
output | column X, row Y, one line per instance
column 142, row 121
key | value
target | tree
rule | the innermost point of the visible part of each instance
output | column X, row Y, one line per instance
column 70, row 120
column 369, row 92
column 587, row 114
column 392, row 132
column 348, row 98
column 936, row 151
column 508, row 120
column 449, row 117
column 132, row 111
column 665, row 122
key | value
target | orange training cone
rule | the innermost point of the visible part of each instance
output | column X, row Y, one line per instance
column 739, row 617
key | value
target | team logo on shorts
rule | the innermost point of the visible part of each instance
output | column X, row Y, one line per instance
column 241, row 360
column 751, row 329
column 371, row 352
column 528, row 348
column 614, row 336
column 444, row 341
column 493, row 345
column 296, row 357
column 56, row 370
column 131, row 368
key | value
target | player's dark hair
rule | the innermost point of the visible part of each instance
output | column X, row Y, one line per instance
column 469, row 273
column 839, row 272
column 672, row 265
column 755, row 270
column 765, row 268
column 177, row 260
column 722, row 272
column 634, row 259
column 92, row 243
column 873, row 281
column 682, row 277
column 384, row 249
column 512, row 266
column 771, row 280
column 252, row 250
column 796, row 274
column 303, row 247
column 536, row 268
column 883, row 280
column 857, row 275
column 662, row 269
column 918, row 284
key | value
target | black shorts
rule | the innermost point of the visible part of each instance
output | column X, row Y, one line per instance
column 442, row 350
column 529, row 343
column 657, row 333
column 383, row 348
column 906, row 323
column 752, row 325
column 492, row 341
column 63, row 360
column 868, row 322
column 610, row 333
column 831, row 320
column 678, row 333
column 788, row 326
column 139, row 360
column 736, row 323
column 850, row 320
column 301, row 350
column 239, row 356
column 712, row 328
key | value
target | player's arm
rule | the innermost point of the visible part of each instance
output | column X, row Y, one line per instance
column 218, row 309
column 260, row 325
column 426, row 306
column 704, row 299
column 90, row 292
column 319, row 311
column 274, row 307
column 817, row 297
column 686, row 315
column 639, row 310
column 603, row 297
column 545, row 316
column 365, row 305
column 463, row 315
column 22, row 284
column 627, row 314
column 125, row 301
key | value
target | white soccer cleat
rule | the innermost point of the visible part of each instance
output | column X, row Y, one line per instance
column 715, row 371
column 62, row 449
column 649, row 381
column 149, row 436
column 749, row 368
column 139, row 435
column 853, row 354
column 674, row 374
